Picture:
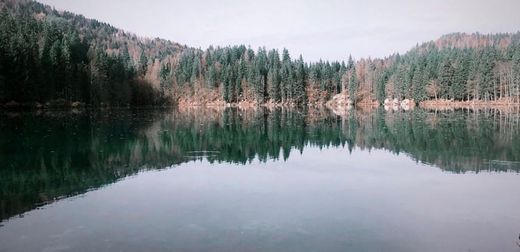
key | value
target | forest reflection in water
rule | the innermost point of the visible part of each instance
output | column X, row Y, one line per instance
column 47, row 156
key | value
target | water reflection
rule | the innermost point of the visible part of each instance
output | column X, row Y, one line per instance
column 49, row 156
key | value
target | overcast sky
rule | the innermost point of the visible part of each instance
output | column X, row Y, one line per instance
column 327, row 29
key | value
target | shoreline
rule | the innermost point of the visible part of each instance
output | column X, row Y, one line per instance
column 471, row 105
column 245, row 105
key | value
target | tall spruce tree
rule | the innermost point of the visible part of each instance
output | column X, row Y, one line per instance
column 353, row 85
column 447, row 73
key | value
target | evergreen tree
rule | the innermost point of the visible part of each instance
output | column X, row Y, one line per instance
column 261, row 68
column 300, row 94
column 67, row 66
column 381, row 85
column 273, row 81
column 196, row 70
column 211, row 79
column 286, row 77
column 143, row 63
column 353, row 85
column 418, row 84
column 446, row 79
column 460, row 77
column 273, row 76
column 486, row 75
column 516, row 73
column 165, row 76
column 227, row 83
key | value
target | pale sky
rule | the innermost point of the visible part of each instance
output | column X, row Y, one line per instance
column 326, row 29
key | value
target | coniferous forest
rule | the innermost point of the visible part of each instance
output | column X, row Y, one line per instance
column 47, row 55
column 56, row 57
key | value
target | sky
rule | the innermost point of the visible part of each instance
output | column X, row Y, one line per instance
column 317, row 29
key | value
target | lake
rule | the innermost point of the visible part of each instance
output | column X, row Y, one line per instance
column 263, row 180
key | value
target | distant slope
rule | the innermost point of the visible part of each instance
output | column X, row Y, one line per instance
column 457, row 67
column 476, row 40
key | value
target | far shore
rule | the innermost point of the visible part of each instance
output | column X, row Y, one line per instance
column 335, row 106
column 472, row 104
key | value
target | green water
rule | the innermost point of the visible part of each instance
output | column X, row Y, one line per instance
column 282, row 180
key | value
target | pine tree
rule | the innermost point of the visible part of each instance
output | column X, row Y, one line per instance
column 66, row 62
column 196, row 70
column 143, row 63
column 273, row 76
column 237, row 88
column 402, row 81
column 300, row 94
column 486, row 75
column 460, row 77
column 261, row 69
column 165, row 76
column 381, row 86
column 211, row 79
column 418, row 84
column 125, row 58
column 273, row 81
column 286, row 77
column 516, row 73
column 57, row 70
column 350, row 64
column 353, row 86
column 446, row 77
column 472, row 83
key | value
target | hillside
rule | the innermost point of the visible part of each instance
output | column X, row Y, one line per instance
column 48, row 55
column 456, row 67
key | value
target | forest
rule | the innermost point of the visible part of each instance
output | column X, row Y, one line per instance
column 457, row 67
column 61, row 58
column 55, row 57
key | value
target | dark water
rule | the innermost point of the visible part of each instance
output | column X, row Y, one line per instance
column 280, row 180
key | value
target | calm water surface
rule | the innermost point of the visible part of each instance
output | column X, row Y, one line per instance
column 259, row 181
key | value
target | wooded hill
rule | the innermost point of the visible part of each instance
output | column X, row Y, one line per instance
column 48, row 55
